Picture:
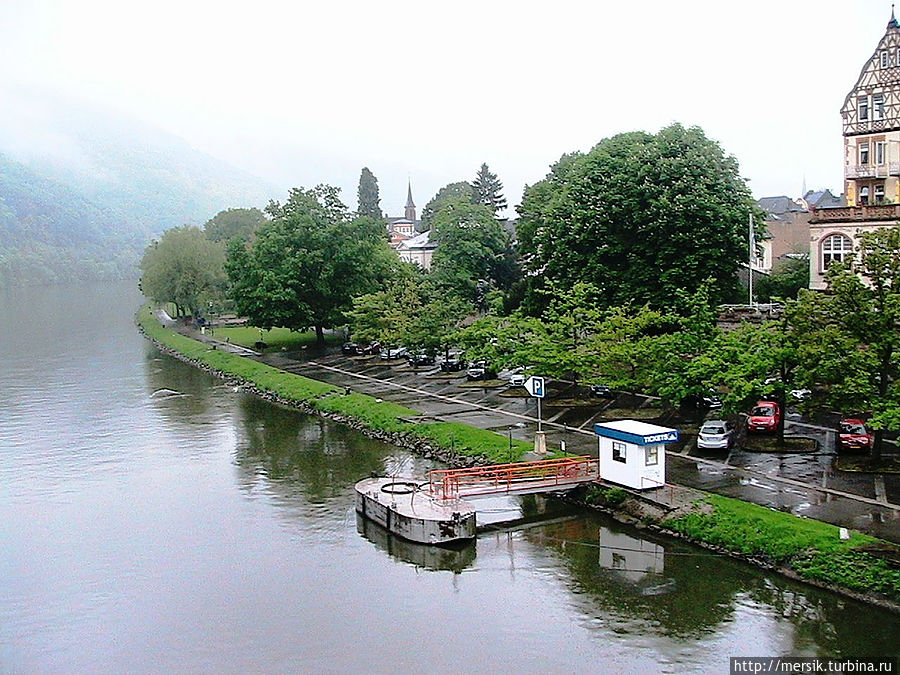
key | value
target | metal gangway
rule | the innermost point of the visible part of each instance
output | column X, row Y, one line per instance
column 516, row 478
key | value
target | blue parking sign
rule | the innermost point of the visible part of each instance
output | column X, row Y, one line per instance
column 535, row 386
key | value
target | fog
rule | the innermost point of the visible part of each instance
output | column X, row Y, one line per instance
column 300, row 93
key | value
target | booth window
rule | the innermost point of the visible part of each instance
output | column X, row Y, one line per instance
column 619, row 452
column 651, row 456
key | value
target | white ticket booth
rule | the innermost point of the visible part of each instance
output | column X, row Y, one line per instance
column 633, row 453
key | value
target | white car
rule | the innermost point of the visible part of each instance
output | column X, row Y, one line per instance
column 517, row 378
column 716, row 435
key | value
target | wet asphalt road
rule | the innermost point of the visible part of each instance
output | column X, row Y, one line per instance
column 802, row 483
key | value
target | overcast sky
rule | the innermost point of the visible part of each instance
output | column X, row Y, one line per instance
column 306, row 92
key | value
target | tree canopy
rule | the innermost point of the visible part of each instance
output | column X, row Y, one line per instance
column 488, row 190
column 640, row 216
column 305, row 266
column 185, row 268
column 473, row 251
column 367, row 197
column 231, row 223
column 451, row 191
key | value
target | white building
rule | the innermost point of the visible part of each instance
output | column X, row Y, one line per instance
column 633, row 453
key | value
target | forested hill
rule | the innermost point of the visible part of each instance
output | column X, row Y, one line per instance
column 50, row 232
column 84, row 190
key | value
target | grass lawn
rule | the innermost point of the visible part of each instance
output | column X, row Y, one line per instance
column 276, row 338
column 812, row 548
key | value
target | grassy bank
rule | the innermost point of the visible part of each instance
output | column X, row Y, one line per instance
column 810, row 548
column 375, row 415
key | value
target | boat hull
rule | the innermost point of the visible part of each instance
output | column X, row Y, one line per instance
column 398, row 505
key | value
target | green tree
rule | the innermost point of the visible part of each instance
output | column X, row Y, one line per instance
column 184, row 268
column 368, row 200
column 488, row 190
column 786, row 280
column 474, row 253
column 231, row 223
column 860, row 316
column 640, row 216
column 451, row 191
column 305, row 266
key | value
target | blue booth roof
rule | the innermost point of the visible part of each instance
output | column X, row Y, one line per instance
column 638, row 433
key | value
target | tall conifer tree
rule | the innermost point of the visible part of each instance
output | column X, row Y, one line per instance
column 488, row 190
column 367, row 195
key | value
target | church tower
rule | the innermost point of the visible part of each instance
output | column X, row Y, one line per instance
column 410, row 205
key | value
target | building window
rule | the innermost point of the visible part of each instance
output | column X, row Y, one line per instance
column 836, row 248
column 864, row 153
column 880, row 148
column 862, row 105
column 879, row 193
column 619, row 452
column 884, row 59
column 651, row 455
column 864, row 195
column 878, row 107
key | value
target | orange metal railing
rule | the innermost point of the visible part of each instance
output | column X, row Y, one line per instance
column 545, row 474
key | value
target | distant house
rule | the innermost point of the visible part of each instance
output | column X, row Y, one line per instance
column 787, row 226
column 418, row 249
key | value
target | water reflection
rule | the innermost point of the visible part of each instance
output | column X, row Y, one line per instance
column 672, row 589
column 454, row 559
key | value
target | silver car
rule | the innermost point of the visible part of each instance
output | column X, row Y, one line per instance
column 716, row 435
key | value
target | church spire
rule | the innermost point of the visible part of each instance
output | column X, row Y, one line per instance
column 893, row 22
column 410, row 205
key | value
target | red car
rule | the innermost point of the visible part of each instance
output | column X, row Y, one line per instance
column 853, row 435
column 764, row 416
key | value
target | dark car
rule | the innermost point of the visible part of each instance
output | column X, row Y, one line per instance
column 764, row 416
column 350, row 349
column 853, row 436
column 480, row 371
column 420, row 359
column 601, row 391
column 453, row 365
column 367, row 350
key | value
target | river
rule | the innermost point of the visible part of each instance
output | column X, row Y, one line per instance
column 154, row 519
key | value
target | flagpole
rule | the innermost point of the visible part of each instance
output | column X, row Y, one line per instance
column 752, row 255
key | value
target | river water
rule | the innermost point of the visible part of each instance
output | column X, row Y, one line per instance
column 153, row 519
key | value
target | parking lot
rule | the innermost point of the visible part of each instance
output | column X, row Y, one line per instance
column 802, row 483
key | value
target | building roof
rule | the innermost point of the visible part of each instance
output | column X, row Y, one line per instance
column 821, row 199
column 421, row 242
column 777, row 206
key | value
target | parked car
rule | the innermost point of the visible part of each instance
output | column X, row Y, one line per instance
column 764, row 416
column 350, row 349
column 800, row 394
column 480, row 371
column 393, row 353
column 716, row 434
column 601, row 391
column 371, row 348
column 453, row 365
column 517, row 378
column 854, row 436
column 711, row 400
column 420, row 359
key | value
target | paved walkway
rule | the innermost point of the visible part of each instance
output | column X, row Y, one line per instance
column 803, row 484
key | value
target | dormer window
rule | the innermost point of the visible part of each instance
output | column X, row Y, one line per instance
column 884, row 59
column 878, row 107
column 862, row 105
column 864, row 154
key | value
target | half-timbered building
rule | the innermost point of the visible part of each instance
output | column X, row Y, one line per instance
column 871, row 128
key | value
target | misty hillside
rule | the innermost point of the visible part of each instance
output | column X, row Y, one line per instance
column 82, row 191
